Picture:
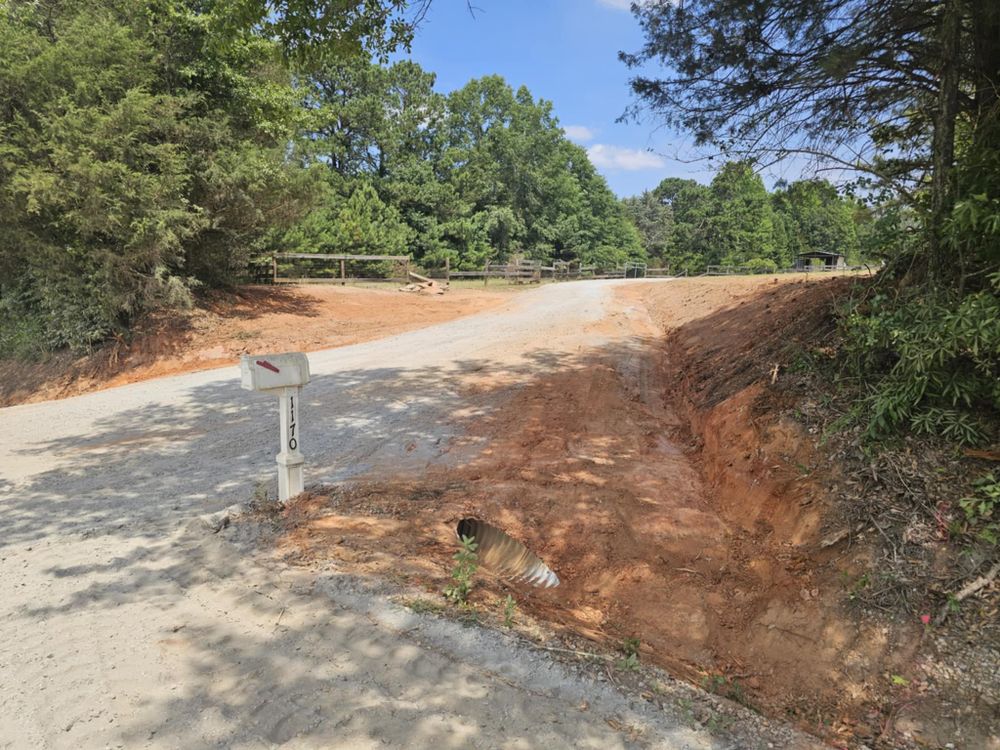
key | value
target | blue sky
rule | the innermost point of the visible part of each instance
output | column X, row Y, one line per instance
column 565, row 51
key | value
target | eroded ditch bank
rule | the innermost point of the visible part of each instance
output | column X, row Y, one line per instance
column 674, row 508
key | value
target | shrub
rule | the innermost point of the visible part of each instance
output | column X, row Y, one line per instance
column 465, row 568
column 930, row 363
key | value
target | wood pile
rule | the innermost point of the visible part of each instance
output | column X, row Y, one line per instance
column 423, row 285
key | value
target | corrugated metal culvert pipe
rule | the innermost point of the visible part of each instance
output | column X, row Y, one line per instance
column 506, row 556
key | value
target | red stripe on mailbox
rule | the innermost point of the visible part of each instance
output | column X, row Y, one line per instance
column 267, row 365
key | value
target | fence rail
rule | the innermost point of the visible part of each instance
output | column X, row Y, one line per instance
column 326, row 256
column 402, row 261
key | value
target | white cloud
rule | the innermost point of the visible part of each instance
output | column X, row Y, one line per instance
column 579, row 133
column 628, row 159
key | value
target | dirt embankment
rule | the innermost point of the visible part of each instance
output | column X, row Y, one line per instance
column 859, row 548
column 228, row 324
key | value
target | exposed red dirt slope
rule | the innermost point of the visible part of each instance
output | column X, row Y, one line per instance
column 226, row 325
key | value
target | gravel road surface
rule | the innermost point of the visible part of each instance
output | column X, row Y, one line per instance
column 125, row 623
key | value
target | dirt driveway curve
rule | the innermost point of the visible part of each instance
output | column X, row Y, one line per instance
column 124, row 623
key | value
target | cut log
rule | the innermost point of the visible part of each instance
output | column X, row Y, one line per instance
column 422, row 279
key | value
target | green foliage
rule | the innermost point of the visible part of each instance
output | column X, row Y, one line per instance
column 509, row 608
column 149, row 148
column 931, row 362
column 981, row 509
column 465, row 568
column 653, row 219
column 741, row 223
column 815, row 217
column 630, row 648
column 770, row 80
column 629, row 663
column 726, row 687
column 136, row 162
column 312, row 32
column 480, row 174
column 761, row 265
column 690, row 248
column 688, row 226
column 367, row 226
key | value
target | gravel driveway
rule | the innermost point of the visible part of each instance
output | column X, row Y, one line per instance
column 124, row 623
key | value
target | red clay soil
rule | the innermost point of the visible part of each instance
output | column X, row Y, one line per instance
column 650, row 477
column 228, row 324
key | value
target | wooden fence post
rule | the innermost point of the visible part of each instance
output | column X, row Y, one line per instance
column 343, row 272
column 274, row 269
column 447, row 270
column 486, row 274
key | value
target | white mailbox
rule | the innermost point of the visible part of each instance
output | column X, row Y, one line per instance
column 283, row 375
column 268, row 372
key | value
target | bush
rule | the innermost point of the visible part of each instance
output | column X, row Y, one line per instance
column 930, row 363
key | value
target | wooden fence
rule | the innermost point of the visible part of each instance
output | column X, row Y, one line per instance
column 301, row 268
column 403, row 261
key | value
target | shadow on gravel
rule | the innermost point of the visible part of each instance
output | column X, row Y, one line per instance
column 140, row 472
column 306, row 672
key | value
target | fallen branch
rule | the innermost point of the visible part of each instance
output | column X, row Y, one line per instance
column 985, row 455
column 968, row 590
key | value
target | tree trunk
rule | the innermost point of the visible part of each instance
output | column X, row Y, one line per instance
column 942, row 193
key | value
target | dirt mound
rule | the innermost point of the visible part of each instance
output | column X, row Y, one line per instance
column 228, row 324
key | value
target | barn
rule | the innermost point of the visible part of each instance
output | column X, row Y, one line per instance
column 830, row 261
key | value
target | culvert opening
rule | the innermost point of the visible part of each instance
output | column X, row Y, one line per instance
column 506, row 556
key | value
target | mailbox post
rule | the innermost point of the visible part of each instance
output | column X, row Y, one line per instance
column 282, row 375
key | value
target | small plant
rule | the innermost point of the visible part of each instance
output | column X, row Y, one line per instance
column 719, row 723
column 726, row 687
column 262, row 503
column 686, row 709
column 629, row 663
column 509, row 610
column 930, row 362
column 855, row 589
column 630, row 647
column 465, row 568
column 980, row 509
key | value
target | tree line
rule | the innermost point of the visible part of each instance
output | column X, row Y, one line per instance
column 734, row 221
column 474, row 175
